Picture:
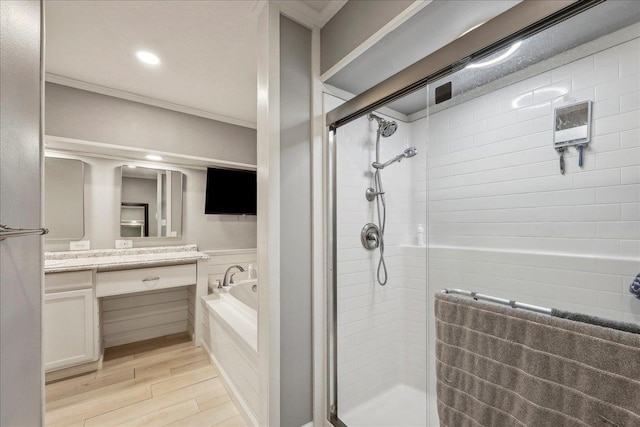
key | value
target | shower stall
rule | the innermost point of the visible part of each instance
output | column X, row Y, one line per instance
column 454, row 174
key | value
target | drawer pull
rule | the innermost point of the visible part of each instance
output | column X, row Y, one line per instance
column 150, row 279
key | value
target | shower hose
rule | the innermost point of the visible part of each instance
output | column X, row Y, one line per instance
column 382, row 217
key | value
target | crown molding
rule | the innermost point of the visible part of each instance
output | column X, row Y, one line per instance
column 103, row 90
column 306, row 15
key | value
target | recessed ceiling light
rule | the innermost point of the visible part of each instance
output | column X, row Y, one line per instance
column 497, row 59
column 147, row 57
column 153, row 157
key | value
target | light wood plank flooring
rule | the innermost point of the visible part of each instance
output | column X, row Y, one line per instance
column 159, row 382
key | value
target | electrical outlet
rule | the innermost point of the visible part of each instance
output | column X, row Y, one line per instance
column 80, row 245
column 124, row 244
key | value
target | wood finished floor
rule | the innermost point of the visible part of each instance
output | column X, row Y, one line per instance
column 159, row 382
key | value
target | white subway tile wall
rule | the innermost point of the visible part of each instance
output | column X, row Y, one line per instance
column 502, row 219
column 381, row 330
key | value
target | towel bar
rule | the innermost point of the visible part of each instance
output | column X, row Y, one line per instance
column 497, row 300
column 6, row 231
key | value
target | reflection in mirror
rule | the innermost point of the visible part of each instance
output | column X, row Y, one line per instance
column 151, row 202
column 64, row 198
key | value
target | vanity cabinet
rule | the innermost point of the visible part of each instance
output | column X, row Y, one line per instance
column 69, row 320
column 102, row 298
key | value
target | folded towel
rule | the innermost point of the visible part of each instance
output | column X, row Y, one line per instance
column 635, row 287
column 634, row 328
column 499, row 366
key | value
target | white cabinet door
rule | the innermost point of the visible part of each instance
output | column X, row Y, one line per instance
column 68, row 325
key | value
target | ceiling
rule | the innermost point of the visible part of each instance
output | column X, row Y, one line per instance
column 424, row 33
column 434, row 26
column 207, row 50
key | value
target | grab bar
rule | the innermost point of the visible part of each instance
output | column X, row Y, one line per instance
column 6, row 231
column 511, row 303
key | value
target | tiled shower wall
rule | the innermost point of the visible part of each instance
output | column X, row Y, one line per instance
column 503, row 220
column 381, row 330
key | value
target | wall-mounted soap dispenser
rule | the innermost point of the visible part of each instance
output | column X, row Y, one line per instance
column 572, row 128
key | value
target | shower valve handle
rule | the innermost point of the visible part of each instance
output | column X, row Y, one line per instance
column 370, row 236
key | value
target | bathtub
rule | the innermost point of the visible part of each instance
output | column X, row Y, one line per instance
column 230, row 336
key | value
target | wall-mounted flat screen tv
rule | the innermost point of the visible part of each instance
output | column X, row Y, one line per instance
column 231, row 192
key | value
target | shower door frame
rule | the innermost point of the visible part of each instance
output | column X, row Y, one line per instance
column 523, row 20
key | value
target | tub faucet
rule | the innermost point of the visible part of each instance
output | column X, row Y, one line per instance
column 228, row 280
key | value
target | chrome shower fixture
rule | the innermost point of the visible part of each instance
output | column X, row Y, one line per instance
column 409, row 152
column 386, row 128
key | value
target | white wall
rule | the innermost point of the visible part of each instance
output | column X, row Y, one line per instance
column 296, row 395
column 495, row 186
column 79, row 114
column 102, row 212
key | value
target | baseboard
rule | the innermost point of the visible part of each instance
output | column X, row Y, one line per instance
column 241, row 404
column 74, row 371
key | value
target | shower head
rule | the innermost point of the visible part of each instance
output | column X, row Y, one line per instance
column 409, row 152
column 385, row 127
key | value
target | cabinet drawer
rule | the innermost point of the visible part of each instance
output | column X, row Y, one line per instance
column 144, row 279
column 68, row 281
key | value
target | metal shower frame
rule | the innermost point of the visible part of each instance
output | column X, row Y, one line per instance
column 523, row 20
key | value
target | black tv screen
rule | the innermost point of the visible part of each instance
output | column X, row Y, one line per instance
column 231, row 192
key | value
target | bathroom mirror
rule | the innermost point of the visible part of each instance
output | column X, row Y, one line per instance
column 151, row 202
column 64, row 198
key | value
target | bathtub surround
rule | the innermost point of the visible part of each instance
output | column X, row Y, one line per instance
column 220, row 260
column 498, row 365
column 230, row 338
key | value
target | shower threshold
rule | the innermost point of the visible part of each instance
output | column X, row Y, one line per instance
column 400, row 406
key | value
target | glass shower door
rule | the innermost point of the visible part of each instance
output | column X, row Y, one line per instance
column 380, row 290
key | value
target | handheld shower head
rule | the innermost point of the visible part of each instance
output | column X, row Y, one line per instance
column 385, row 127
column 409, row 152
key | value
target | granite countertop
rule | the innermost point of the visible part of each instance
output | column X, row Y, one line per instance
column 112, row 259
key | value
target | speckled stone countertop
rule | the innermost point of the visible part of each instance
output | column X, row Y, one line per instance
column 111, row 259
